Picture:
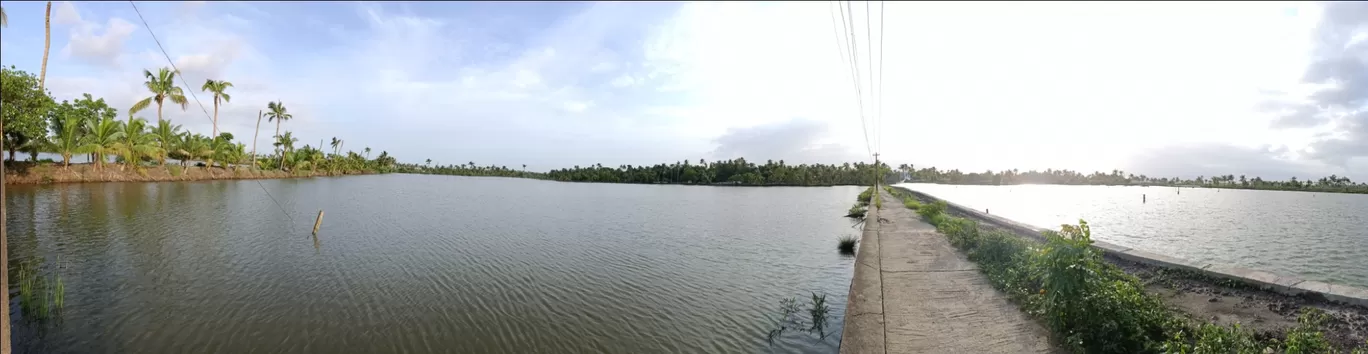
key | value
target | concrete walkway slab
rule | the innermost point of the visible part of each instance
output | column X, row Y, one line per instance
column 933, row 299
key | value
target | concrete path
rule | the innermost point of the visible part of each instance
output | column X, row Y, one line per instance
column 913, row 292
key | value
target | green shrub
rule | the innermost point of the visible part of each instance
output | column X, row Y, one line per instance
column 174, row 170
column 141, row 171
column 1306, row 337
column 856, row 211
column 865, row 196
column 933, row 210
column 846, row 244
column 1214, row 339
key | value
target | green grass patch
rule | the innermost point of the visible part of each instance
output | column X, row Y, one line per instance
column 846, row 244
column 174, row 170
column 856, row 211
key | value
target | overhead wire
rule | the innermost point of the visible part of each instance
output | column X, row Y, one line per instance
column 879, row 114
column 869, row 62
column 848, row 24
column 197, row 101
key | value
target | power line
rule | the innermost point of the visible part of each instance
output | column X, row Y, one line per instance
column 879, row 138
column 869, row 62
column 201, row 105
column 172, row 62
column 849, row 26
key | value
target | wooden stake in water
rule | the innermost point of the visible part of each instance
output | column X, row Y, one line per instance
column 1142, row 201
column 318, row 222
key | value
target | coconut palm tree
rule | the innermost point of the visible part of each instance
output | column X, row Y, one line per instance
column 286, row 145
column 196, row 147
column 276, row 111
column 334, row 144
column 4, row 19
column 47, row 44
column 368, row 153
column 136, row 143
column 163, row 87
column 220, row 97
column 103, row 139
column 67, row 138
column 168, row 139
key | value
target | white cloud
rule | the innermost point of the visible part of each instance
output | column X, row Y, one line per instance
column 965, row 85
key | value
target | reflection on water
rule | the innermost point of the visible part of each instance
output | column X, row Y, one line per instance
column 410, row 263
column 1321, row 236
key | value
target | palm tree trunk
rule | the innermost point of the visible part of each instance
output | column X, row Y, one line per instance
column 47, row 44
column 216, row 104
column 254, row 138
column 282, row 147
column 159, row 113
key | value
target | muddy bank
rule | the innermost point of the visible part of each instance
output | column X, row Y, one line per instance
column 1224, row 301
column 28, row 173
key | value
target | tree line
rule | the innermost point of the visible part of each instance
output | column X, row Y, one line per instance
column 1332, row 183
column 34, row 122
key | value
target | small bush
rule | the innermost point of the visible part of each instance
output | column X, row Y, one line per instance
column 933, row 210
column 174, row 170
column 47, row 179
column 846, row 244
column 865, row 196
column 1306, row 337
column 141, row 171
column 856, row 211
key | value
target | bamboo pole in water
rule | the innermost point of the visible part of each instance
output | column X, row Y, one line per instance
column 318, row 222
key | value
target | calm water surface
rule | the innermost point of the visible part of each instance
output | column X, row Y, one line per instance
column 1321, row 236
column 412, row 263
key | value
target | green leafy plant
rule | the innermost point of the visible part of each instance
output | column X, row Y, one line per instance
column 791, row 319
column 856, row 211
column 1306, row 337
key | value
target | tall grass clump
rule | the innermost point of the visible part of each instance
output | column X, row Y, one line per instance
column 846, row 244
column 856, row 211
column 174, row 170
column 40, row 296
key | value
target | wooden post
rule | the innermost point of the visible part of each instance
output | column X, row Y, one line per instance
column 318, row 222
column 1143, row 199
column 4, row 258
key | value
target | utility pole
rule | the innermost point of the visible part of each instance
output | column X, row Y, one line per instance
column 876, row 177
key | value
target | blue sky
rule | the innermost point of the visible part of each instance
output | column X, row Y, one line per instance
column 1217, row 89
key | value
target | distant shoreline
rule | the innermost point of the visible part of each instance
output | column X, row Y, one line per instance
column 27, row 173
column 1343, row 190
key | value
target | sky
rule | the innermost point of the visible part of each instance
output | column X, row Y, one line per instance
column 1271, row 89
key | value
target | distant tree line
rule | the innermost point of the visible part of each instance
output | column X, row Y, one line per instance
column 1332, row 183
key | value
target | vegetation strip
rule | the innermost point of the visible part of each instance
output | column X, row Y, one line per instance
column 35, row 122
column 1093, row 306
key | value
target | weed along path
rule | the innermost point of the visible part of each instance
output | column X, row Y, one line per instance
column 913, row 292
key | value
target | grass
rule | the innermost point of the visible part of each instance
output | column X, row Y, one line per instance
column 846, row 244
column 1092, row 306
column 174, row 170
column 40, row 296
column 856, row 211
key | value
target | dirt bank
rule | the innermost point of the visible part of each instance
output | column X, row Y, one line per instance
column 1269, row 314
column 28, row 173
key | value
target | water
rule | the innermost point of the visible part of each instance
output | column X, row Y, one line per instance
column 1320, row 236
column 413, row 263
